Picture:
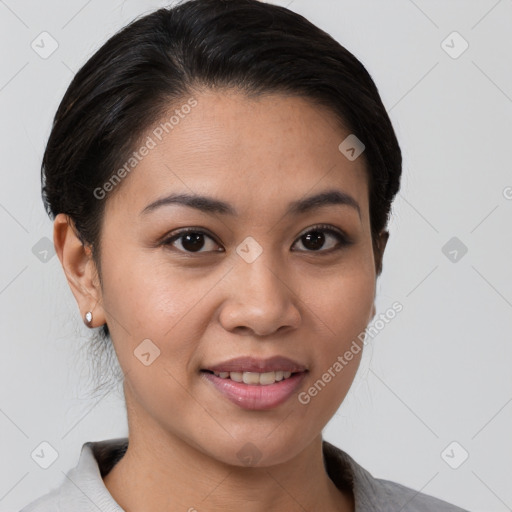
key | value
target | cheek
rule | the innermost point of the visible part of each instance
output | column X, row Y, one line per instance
column 144, row 298
column 140, row 305
column 154, row 324
column 343, row 303
column 341, row 312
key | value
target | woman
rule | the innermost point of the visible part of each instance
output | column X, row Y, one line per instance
column 220, row 175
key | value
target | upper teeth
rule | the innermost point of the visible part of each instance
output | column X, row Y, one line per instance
column 254, row 377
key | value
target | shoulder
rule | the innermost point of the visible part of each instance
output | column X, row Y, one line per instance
column 82, row 489
column 394, row 496
column 46, row 503
column 377, row 495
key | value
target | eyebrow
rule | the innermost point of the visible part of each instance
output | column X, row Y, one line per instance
column 215, row 206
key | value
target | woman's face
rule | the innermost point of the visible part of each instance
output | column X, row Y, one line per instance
column 256, row 278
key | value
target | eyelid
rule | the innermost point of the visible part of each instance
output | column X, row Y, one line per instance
column 325, row 227
column 343, row 238
column 168, row 240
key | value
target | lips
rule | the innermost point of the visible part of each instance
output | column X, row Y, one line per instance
column 256, row 384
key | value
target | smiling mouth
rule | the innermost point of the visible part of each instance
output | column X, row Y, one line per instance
column 255, row 378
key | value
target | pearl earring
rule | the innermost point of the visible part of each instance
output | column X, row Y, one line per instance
column 88, row 318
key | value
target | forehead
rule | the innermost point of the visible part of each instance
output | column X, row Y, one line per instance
column 255, row 152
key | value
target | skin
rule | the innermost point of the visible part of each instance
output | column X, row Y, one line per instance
column 202, row 308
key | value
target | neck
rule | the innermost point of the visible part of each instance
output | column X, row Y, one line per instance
column 157, row 476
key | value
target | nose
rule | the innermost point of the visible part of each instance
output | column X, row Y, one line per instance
column 261, row 300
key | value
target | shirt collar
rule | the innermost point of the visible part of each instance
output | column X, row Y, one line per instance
column 85, row 490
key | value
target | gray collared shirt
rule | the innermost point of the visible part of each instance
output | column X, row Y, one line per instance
column 83, row 489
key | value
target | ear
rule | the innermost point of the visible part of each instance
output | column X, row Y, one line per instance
column 382, row 240
column 80, row 269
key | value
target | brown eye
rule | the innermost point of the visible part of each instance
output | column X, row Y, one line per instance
column 191, row 241
column 319, row 237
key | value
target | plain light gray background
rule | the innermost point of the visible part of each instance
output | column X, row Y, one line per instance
column 439, row 372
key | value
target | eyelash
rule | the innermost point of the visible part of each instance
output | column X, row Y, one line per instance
column 343, row 240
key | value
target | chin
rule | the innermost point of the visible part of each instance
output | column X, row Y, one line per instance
column 257, row 450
